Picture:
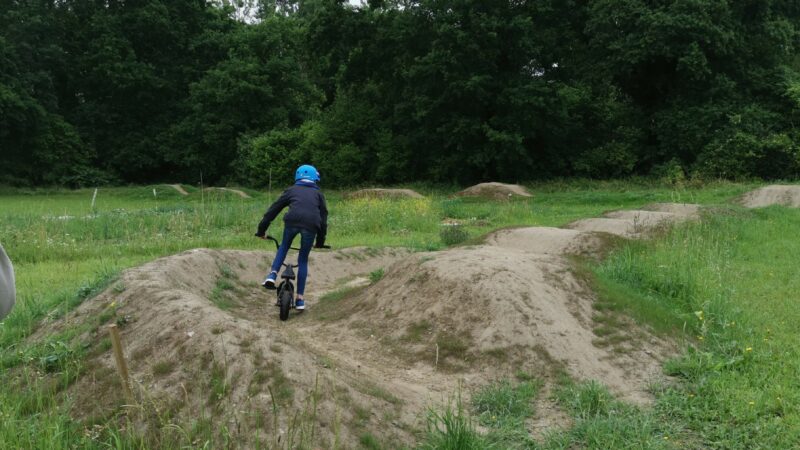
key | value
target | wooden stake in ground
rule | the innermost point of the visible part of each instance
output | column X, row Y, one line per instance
column 122, row 367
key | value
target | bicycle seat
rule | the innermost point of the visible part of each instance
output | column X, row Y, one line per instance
column 288, row 273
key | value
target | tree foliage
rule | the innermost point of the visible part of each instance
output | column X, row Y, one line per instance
column 96, row 91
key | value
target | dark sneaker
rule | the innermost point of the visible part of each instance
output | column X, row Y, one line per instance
column 299, row 304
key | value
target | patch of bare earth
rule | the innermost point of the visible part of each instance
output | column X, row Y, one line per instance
column 496, row 191
column 785, row 195
column 203, row 339
column 385, row 193
column 638, row 223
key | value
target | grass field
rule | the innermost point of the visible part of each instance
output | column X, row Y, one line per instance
column 729, row 282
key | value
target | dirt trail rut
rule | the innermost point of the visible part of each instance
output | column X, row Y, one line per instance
column 433, row 323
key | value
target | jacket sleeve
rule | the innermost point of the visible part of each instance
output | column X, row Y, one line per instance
column 323, row 224
column 273, row 212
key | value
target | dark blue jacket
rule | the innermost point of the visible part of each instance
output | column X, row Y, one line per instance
column 307, row 210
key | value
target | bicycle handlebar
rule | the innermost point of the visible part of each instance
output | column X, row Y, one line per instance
column 277, row 244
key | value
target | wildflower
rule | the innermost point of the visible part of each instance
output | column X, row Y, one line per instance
column 700, row 338
column 751, row 403
column 749, row 349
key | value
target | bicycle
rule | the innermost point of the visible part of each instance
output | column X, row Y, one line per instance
column 285, row 290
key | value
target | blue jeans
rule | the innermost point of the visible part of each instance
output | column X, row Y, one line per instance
column 306, row 242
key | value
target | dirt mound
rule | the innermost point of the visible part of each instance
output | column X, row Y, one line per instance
column 786, row 195
column 203, row 339
column 638, row 223
column 497, row 191
column 241, row 194
column 481, row 313
column 385, row 193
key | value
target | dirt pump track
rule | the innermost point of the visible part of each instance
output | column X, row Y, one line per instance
column 434, row 324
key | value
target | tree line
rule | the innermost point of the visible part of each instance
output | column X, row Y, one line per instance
column 452, row 91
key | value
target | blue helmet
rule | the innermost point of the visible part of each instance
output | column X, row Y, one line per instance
column 306, row 172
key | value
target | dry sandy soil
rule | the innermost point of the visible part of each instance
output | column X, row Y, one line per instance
column 786, row 195
column 203, row 339
column 493, row 190
column 385, row 193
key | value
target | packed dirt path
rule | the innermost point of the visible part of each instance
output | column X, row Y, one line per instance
column 397, row 333
column 785, row 195
column 638, row 223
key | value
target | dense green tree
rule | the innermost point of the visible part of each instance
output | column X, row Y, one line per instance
column 259, row 86
column 397, row 90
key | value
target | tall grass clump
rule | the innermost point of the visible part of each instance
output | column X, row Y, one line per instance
column 602, row 422
column 452, row 429
column 453, row 234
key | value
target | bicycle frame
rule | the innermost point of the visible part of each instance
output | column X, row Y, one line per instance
column 285, row 290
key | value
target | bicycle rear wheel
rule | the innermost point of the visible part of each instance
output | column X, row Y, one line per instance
column 286, row 302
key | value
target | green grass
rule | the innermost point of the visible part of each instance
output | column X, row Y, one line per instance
column 732, row 282
column 501, row 404
column 66, row 251
column 453, row 429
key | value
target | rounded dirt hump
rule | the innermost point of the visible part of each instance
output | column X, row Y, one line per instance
column 638, row 223
column 201, row 336
column 385, row 193
column 496, row 191
column 547, row 240
column 482, row 313
column 785, row 195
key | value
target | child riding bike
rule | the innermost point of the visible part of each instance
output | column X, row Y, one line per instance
column 307, row 216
